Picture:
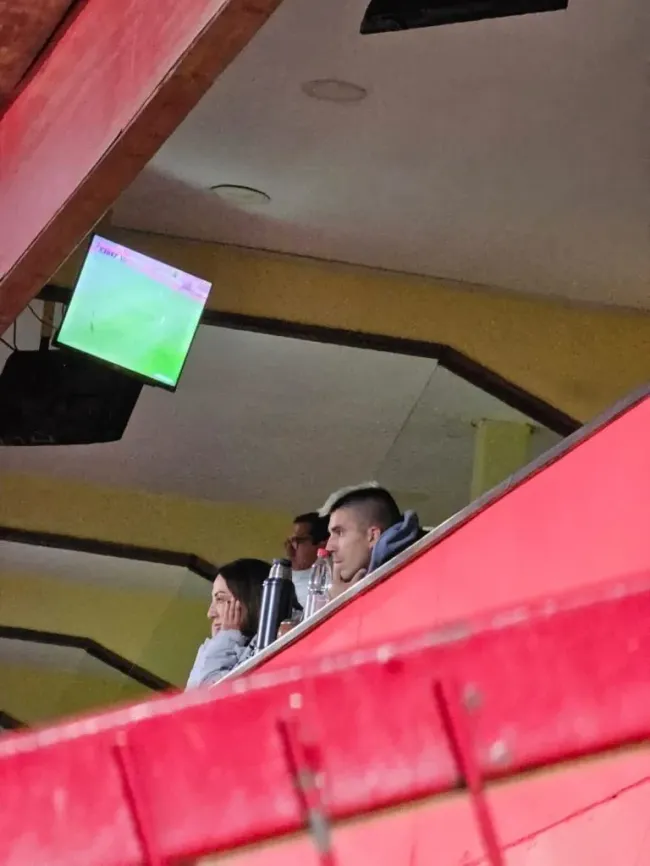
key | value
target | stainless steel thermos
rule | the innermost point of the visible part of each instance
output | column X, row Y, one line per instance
column 277, row 598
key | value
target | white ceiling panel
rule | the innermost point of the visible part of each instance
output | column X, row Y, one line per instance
column 509, row 152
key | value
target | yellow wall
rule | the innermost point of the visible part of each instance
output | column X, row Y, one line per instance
column 216, row 531
column 39, row 694
column 500, row 448
column 159, row 631
column 579, row 359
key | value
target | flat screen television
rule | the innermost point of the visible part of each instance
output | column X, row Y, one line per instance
column 134, row 313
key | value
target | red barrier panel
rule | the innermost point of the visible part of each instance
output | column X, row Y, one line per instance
column 305, row 748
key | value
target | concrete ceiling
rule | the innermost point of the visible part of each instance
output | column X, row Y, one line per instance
column 281, row 423
column 511, row 152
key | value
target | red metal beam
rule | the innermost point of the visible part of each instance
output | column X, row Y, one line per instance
column 25, row 27
column 304, row 748
column 119, row 81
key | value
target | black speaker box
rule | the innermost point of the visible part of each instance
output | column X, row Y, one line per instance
column 59, row 398
column 383, row 16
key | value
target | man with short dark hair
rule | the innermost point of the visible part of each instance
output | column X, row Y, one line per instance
column 366, row 530
column 308, row 534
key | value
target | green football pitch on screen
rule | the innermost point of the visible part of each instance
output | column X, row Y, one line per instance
column 134, row 312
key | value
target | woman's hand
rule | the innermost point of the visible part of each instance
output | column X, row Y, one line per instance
column 232, row 617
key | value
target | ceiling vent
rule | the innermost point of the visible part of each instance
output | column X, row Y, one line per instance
column 383, row 16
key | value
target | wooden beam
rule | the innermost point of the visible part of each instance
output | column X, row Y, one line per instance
column 118, row 82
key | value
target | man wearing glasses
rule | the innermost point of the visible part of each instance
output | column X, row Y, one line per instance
column 308, row 533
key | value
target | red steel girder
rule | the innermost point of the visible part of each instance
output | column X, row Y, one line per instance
column 122, row 76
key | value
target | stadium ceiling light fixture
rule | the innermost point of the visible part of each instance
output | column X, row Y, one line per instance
column 239, row 195
column 334, row 90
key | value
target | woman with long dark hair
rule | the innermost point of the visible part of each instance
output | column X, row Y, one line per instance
column 234, row 617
